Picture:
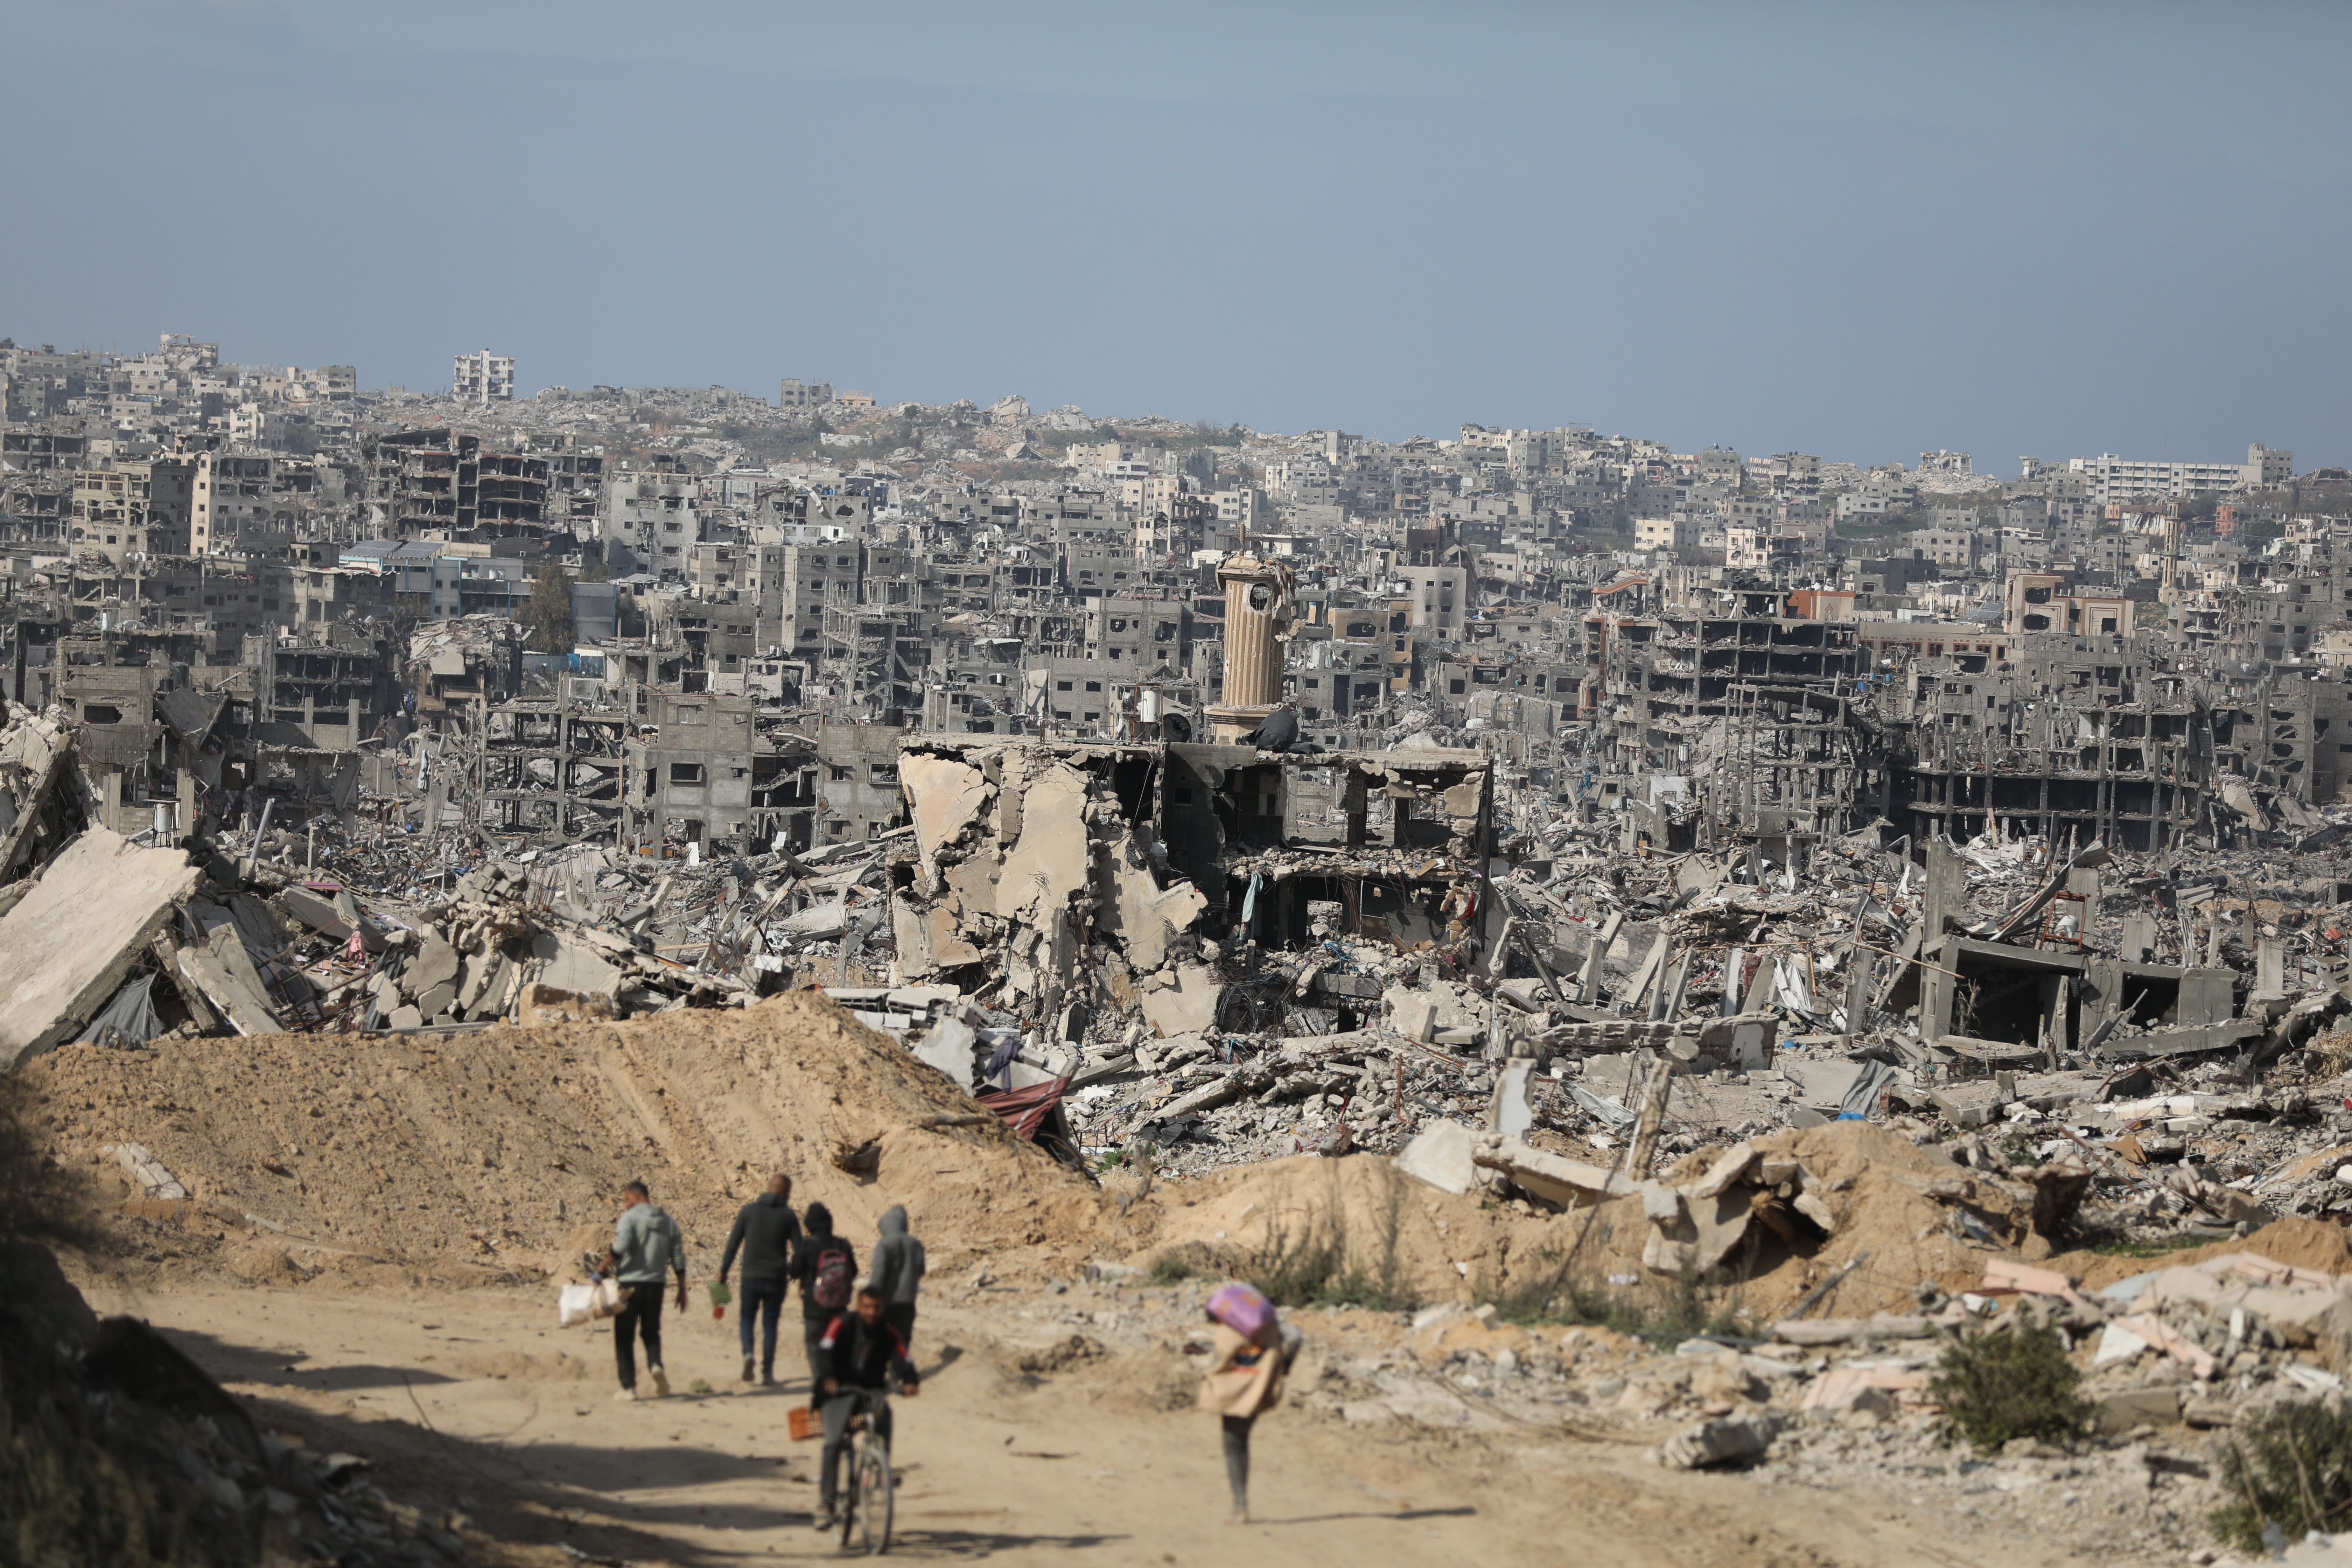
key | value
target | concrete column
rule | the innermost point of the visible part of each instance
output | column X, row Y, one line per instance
column 1255, row 593
column 1252, row 678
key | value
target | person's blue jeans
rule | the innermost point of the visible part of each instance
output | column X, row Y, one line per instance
column 766, row 1298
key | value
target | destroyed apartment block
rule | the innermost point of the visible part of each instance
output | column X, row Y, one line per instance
column 1087, row 884
column 1202, row 945
column 549, row 771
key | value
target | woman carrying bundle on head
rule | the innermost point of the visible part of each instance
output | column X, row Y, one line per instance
column 1250, row 1353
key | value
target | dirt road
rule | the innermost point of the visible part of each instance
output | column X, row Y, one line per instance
column 473, row 1404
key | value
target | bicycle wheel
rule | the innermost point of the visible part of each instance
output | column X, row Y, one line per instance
column 852, row 1513
column 875, row 1498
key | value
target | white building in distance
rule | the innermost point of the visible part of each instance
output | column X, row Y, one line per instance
column 484, row 378
column 2114, row 478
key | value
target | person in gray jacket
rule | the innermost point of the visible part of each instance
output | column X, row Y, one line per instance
column 645, row 1245
column 898, row 1271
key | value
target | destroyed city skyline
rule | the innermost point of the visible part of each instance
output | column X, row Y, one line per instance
column 1384, row 784
column 1648, row 945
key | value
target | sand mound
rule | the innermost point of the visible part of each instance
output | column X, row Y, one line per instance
column 1400, row 1235
column 485, row 1151
column 1435, row 1246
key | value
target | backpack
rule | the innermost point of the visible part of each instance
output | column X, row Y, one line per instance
column 830, row 1281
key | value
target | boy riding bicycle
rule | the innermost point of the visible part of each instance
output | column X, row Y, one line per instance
column 857, row 1358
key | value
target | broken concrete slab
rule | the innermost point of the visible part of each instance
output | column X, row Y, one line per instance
column 949, row 1046
column 1745, row 1042
column 945, row 936
column 912, row 929
column 1251, row 1078
column 1445, row 1155
column 1189, row 1006
column 574, row 968
column 68, row 945
column 818, row 923
column 972, row 882
column 1820, row 1084
column 224, row 972
column 476, row 982
column 944, row 798
column 1850, row 1390
column 1508, row 1111
column 1726, row 1441
column 436, row 965
column 1554, row 1178
column 1413, row 1014
column 1138, row 909
column 1701, row 1236
column 1853, row 1330
column 1052, row 859
column 331, row 918
column 2158, row 1405
column 146, row 1170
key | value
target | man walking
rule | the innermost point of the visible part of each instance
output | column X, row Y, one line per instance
column 764, row 1231
column 645, row 1245
column 827, row 1270
column 898, row 1270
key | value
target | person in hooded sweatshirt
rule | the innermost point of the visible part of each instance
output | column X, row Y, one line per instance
column 764, row 1233
column 826, row 1267
column 645, row 1245
column 898, row 1270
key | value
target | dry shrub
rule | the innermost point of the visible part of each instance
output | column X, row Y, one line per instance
column 2290, row 1466
column 1320, row 1266
column 2013, row 1381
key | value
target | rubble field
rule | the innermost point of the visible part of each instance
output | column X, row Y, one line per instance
column 1715, row 1121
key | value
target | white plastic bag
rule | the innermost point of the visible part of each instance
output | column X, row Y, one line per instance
column 575, row 1304
column 583, row 1303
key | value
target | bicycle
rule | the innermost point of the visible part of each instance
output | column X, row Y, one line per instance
column 867, row 1505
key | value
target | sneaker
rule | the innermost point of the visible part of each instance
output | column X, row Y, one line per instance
column 747, row 1369
column 767, row 1377
column 661, row 1382
column 822, row 1522
column 627, row 1395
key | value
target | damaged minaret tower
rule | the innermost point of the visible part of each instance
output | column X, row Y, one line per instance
column 1258, row 613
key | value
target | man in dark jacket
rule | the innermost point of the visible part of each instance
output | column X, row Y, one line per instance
column 764, row 1231
column 898, row 1271
column 826, row 1267
column 856, row 1353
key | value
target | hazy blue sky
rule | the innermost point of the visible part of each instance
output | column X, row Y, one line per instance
column 1856, row 230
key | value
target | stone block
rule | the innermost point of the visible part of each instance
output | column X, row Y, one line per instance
column 2138, row 1407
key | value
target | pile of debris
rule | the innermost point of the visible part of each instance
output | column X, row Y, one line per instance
column 125, row 1447
column 114, row 942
